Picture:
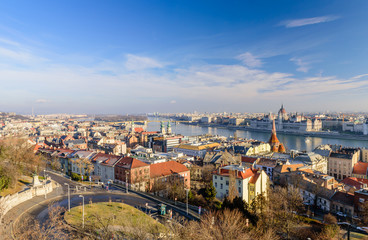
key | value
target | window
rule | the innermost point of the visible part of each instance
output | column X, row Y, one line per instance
column 221, row 186
column 215, row 184
column 239, row 189
column 227, row 183
column 221, row 178
column 227, row 192
column 215, row 177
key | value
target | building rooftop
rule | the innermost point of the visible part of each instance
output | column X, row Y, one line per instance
column 166, row 168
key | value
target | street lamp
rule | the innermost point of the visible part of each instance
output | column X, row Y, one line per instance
column 44, row 185
column 187, row 190
column 68, row 195
column 44, row 173
column 83, row 211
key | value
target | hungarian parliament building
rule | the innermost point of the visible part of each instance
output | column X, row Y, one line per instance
column 286, row 123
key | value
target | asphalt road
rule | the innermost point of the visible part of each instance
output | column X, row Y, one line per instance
column 41, row 211
column 37, row 207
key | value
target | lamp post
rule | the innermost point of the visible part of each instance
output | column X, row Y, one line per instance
column 83, row 211
column 44, row 185
column 187, row 190
column 68, row 196
column 126, row 181
column 44, row 173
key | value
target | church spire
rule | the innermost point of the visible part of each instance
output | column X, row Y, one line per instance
column 273, row 127
column 274, row 142
column 162, row 128
column 168, row 127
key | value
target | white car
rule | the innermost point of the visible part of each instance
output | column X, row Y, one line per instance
column 341, row 214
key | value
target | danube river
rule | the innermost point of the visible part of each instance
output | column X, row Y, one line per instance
column 290, row 141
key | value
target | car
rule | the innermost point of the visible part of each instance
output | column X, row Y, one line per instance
column 364, row 229
column 341, row 214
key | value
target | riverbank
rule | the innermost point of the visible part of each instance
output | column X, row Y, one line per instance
column 334, row 135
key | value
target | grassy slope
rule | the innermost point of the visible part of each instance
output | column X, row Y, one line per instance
column 114, row 214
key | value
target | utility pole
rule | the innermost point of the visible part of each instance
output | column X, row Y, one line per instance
column 45, row 186
column 83, row 211
column 187, row 190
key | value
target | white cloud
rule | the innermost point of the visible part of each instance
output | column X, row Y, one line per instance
column 303, row 66
column 250, row 60
column 307, row 21
column 135, row 62
column 173, row 101
column 41, row 100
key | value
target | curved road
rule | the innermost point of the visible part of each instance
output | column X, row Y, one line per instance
column 37, row 207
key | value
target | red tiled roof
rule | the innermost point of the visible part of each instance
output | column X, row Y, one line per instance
column 138, row 129
column 292, row 167
column 166, row 168
column 357, row 183
column 254, row 178
column 131, row 162
column 242, row 175
column 248, row 173
column 106, row 159
column 149, row 132
column 360, row 168
column 248, row 159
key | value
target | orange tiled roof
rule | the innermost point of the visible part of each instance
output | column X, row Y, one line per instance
column 360, row 168
column 355, row 182
column 249, row 172
column 281, row 148
column 105, row 158
column 138, row 129
column 292, row 167
column 166, row 168
column 131, row 162
column 254, row 178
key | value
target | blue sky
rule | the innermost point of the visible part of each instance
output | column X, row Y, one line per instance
column 182, row 56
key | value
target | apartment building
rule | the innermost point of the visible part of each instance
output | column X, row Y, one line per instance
column 247, row 182
column 342, row 161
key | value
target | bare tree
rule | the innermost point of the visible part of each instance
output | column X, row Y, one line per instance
column 233, row 192
column 54, row 228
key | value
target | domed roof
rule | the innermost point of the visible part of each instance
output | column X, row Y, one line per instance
column 282, row 109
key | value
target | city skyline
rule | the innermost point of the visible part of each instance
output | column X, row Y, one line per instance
column 136, row 57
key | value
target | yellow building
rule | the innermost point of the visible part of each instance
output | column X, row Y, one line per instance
column 195, row 150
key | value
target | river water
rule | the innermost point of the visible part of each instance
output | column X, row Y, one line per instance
column 289, row 141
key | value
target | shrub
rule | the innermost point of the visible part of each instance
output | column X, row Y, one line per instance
column 76, row 177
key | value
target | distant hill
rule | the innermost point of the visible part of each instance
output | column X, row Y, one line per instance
column 120, row 118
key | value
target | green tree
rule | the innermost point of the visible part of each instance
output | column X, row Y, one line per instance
column 210, row 192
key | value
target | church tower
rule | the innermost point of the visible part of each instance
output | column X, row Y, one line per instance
column 274, row 142
column 162, row 128
column 168, row 127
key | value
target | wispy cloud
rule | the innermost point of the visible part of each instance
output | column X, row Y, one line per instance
column 41, row 100
column 135, row 62
column 307, row 21
column 250, row 60
column 303, row 66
